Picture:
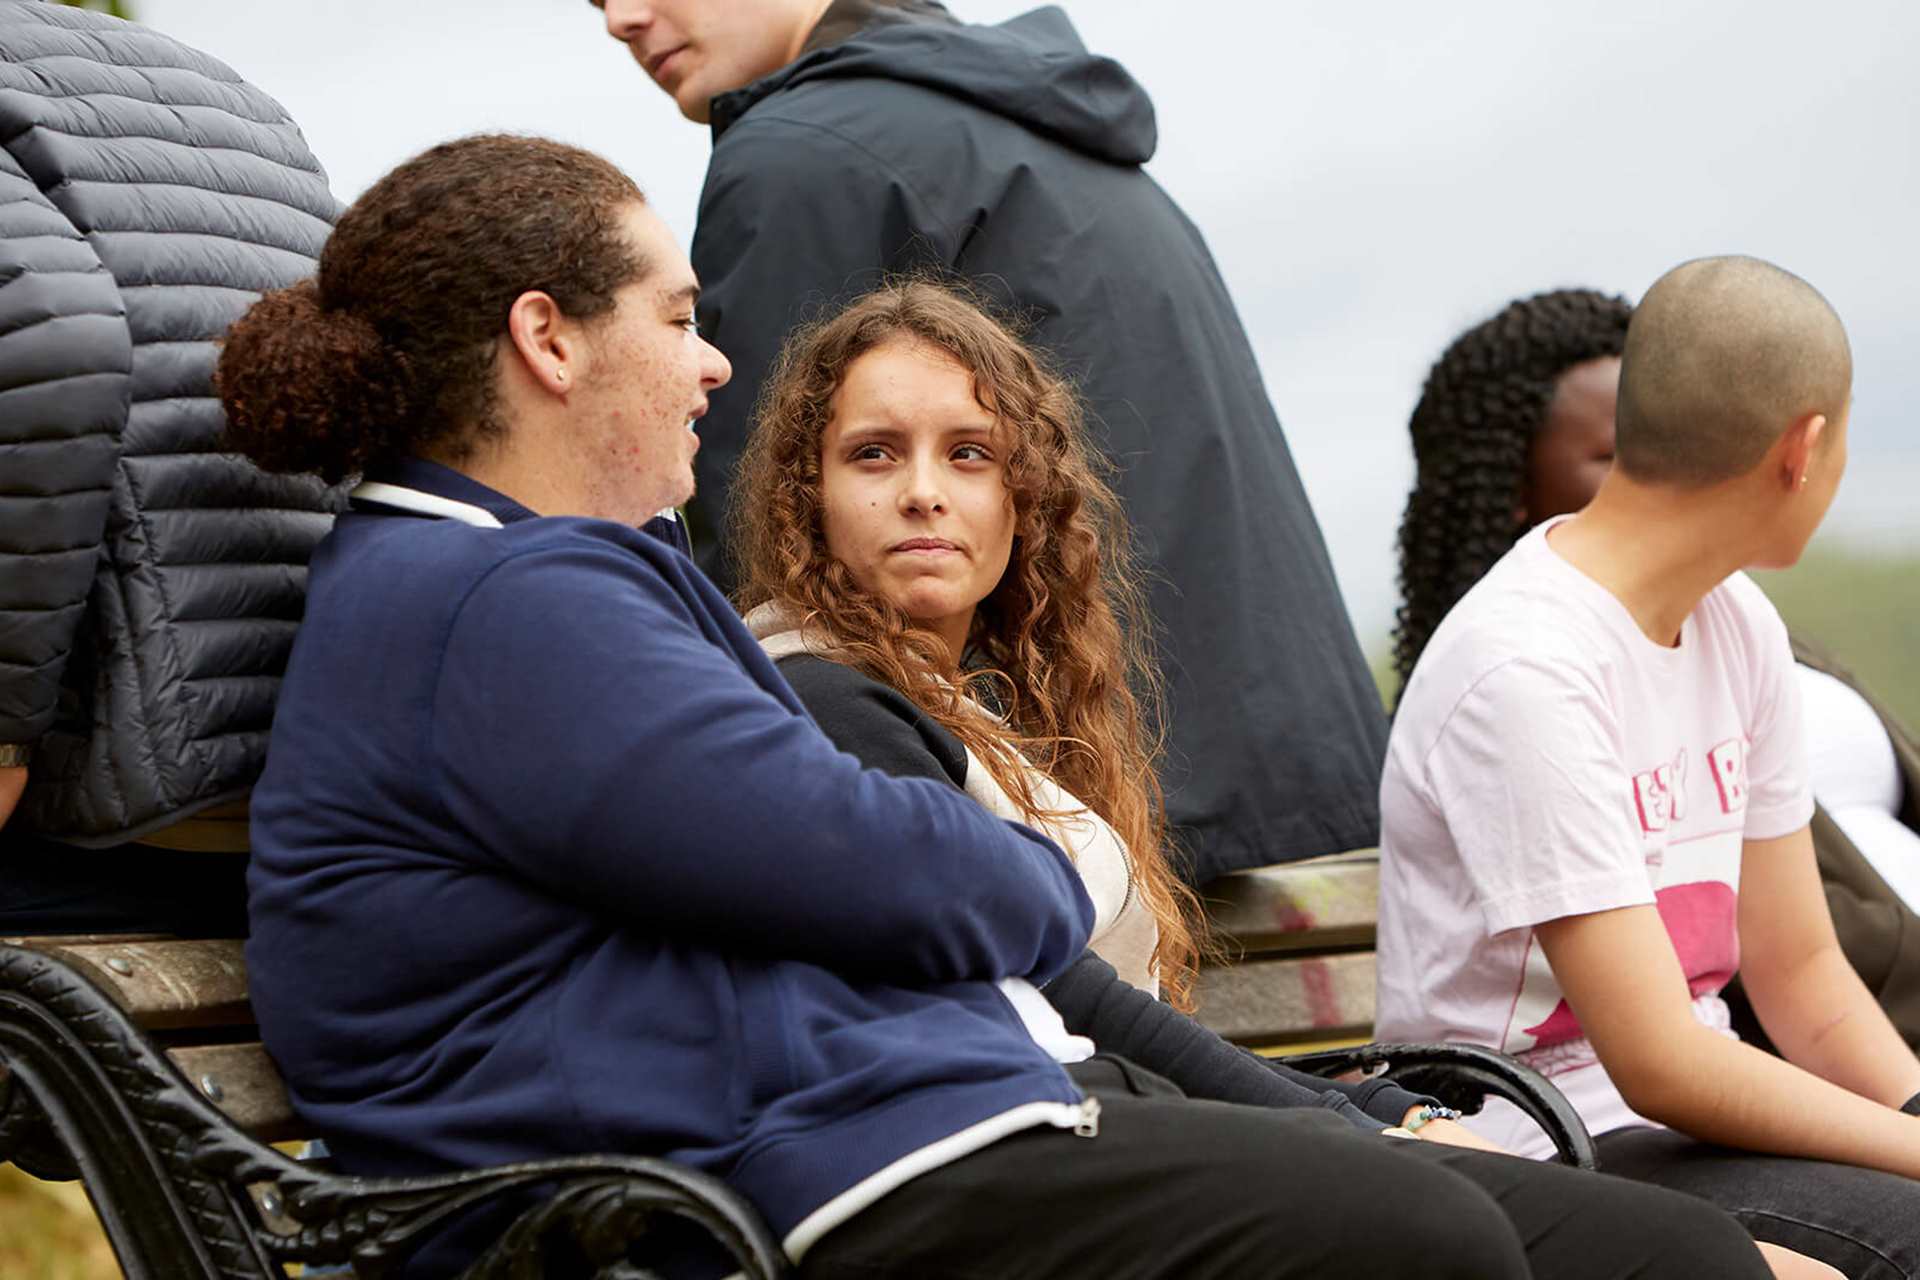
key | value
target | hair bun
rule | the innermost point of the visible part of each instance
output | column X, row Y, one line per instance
column 307, row 388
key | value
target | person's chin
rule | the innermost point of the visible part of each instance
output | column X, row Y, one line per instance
column 695, row 103
column 919, row 603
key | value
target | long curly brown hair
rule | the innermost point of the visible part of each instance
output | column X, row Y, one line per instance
column 1061, row 647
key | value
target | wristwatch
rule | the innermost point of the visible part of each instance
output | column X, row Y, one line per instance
column 14, row 755
column 1432, row 1111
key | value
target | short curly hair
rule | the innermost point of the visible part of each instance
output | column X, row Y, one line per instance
column 1484, row 400
column 390, row 349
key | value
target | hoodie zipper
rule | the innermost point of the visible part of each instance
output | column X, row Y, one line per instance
column 1085, row 1118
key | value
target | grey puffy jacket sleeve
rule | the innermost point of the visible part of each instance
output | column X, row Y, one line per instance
column 65, row 363
column 150, row 580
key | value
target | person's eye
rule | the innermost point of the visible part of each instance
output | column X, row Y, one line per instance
column 972, row 453
column 868, row 453
column 690, row 323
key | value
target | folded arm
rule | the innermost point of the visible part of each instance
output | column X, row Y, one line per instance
column 591, row 730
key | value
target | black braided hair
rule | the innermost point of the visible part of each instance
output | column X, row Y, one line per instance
column 1483, row 401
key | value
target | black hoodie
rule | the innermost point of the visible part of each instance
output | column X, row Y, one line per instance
column 1010, row 155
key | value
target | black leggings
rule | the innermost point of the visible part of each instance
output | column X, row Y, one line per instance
column 1177, row 1189
column 1862, row 1222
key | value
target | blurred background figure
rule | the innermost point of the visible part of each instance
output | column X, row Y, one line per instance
column 150, row 584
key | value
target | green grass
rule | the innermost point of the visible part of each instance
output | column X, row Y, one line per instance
column 1863, row 607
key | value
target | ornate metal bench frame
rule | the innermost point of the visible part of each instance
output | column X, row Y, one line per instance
column 183, row 1192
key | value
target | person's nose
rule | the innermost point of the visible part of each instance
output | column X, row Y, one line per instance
column 628, row 18
column 715, row 369
column 922, row 487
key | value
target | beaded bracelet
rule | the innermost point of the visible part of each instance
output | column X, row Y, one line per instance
column 1430, row 1112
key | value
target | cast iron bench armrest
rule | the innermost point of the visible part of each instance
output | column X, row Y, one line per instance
column 592, row 1209
column 183, row 1192
column 1462, row 1076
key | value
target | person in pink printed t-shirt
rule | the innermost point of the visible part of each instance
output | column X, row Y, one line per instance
column 1595, row 801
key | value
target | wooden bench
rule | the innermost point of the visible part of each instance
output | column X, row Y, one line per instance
column 1298, row 941
column 133, row 1064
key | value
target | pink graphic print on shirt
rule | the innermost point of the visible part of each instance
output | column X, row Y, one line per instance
column 1700, row 920
column 1693, row 877
column 1660, row 794
column 1729, row 764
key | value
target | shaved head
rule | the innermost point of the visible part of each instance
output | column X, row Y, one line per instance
column 1722, row 356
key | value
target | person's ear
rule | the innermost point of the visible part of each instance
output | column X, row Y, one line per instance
column 545, row 343
column 1800, row 449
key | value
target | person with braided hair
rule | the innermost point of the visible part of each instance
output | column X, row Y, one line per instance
column 1504, row 436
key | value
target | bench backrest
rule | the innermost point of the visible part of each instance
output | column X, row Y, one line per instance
column 1297, row 941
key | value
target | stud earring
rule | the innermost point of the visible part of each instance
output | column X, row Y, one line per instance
column 1803, row 479
column 560, row 375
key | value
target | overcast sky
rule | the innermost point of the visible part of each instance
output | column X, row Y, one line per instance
column 1373, row 178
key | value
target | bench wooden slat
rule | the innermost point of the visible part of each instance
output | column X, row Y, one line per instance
column 243, row 1082
column 164, row 984
column 1285, row 1001
column 1302, row 906
column 56, row 941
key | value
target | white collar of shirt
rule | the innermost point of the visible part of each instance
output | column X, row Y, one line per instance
column 432, row 504
column 426, row 504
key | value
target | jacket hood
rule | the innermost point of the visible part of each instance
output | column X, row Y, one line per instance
column 1032, row 69
column 781, row 634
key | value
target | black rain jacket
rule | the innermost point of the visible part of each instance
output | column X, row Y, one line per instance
column 1011, row 156
column 149, row 584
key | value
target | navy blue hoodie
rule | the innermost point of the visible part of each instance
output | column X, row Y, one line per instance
column 548, row 860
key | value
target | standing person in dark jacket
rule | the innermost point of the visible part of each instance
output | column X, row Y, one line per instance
column 873, row 136
column 549, row 860
column 149, row 583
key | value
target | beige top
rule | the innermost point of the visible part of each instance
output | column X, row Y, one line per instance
column 1124, row 930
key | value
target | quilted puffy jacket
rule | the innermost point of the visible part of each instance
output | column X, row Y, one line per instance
column 149, row 584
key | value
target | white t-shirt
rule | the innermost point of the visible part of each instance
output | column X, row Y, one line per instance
column 1857, row 777
column 1548, row 760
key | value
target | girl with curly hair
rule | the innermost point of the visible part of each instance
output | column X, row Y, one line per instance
column 926, row 512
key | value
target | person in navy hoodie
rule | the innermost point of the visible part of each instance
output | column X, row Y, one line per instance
column 549, row 860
